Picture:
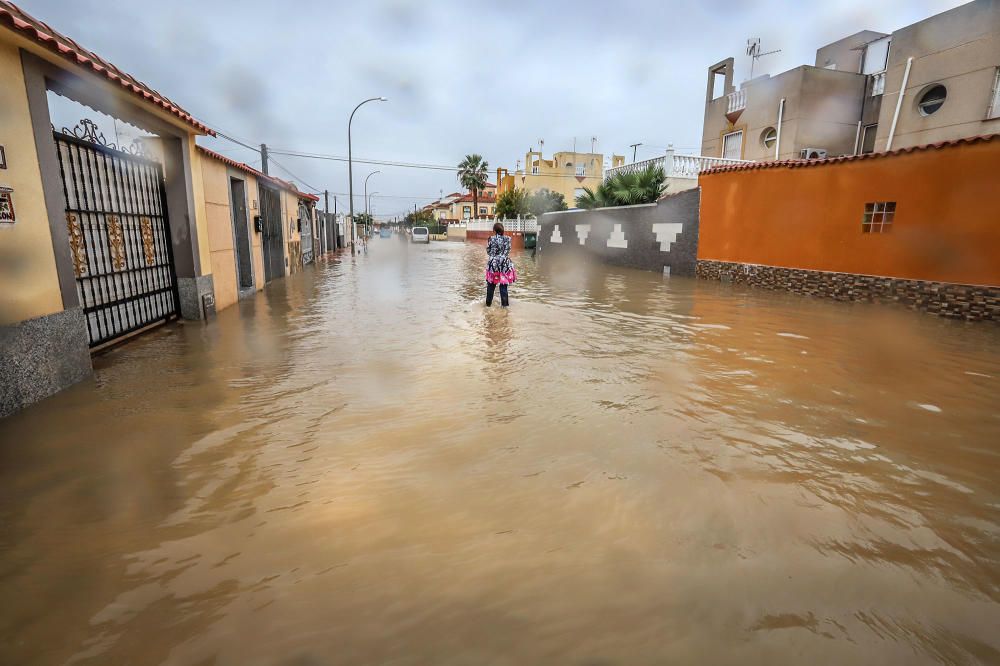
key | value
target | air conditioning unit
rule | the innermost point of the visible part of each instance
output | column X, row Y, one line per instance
column 812, row 154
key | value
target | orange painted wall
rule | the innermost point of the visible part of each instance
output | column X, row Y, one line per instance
column 516, row 237
column 946, row 229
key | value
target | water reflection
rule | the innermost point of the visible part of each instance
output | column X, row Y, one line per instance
column 365, row 465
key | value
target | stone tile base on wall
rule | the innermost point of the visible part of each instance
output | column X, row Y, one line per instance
column 957, row 301
column 42, row 356
column 191, row 291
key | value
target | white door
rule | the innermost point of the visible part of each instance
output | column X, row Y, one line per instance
column 732, row 145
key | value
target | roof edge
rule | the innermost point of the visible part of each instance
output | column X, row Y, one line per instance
column 20, row 22
column 793, row 164
column 260, row 175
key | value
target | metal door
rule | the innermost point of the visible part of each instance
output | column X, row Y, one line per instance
column 271, row 238
column 119, row 236
column 241, row 233
column 331, row 232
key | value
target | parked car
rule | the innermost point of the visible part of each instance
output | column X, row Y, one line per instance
column 420, row 235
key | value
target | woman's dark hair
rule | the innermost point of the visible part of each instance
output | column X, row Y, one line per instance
column 498, row 229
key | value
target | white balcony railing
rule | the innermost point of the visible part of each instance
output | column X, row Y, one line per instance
column 736, row 101
column 878, row 83
column 675, row 166
column 528, row 224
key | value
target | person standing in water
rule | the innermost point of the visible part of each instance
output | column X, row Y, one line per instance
column 499, row 267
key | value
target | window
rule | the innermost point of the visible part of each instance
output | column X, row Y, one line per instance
column 466, row 212
column 581, row 169
column 994, row 110
column 534, row 171
column 482, row 210
column 769, row 137
column 878, row 217
column 868, row 139
column 876, row 56
column 932, row 99
column 732, row 145
column 578, row 192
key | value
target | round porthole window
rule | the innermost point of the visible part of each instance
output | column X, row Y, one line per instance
column 768, row 137
column 932, row 99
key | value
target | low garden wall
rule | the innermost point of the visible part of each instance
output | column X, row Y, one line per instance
column 660, row 237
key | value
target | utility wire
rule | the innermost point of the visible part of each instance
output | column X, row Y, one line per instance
column 286, row 170
column 361, row 160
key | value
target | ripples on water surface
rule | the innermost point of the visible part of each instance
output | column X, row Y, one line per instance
column 365, row 466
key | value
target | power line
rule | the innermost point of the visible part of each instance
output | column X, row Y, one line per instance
column 361, row 160
column 408, row 165
column 286, row 170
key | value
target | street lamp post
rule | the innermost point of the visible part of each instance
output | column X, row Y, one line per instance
column 371, row 211
column 350, row 165
column 366, row 195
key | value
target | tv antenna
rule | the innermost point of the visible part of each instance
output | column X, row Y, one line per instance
column 593, row 142
column 635, row 148
column 753, row 50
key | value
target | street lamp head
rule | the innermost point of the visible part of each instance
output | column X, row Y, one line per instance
column 383, row 99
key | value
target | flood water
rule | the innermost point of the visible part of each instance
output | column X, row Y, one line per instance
column 363, row 465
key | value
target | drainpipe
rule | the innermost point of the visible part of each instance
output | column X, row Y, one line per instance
column 777, row 140
column 899, row 103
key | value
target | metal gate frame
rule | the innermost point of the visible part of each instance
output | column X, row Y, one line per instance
column 271, row 232
column 119, row 236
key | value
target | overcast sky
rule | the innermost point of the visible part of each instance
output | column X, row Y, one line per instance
column 484, row 77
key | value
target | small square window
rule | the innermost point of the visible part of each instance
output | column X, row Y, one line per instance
column 878, row 217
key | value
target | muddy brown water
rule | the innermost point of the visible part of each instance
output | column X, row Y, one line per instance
column 362, row 465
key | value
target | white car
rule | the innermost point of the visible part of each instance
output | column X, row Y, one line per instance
column 420, row 235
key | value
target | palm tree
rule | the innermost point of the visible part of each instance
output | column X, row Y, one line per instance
column 472, row 173
column 625, row 189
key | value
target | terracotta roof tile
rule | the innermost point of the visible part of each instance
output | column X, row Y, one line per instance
column 258, row 174
column 483, row 198
column 794, row 164
column 41, row 33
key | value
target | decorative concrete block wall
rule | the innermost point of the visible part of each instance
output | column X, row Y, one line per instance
column 656, row 237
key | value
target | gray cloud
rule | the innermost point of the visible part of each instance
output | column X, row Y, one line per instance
column 487, row 78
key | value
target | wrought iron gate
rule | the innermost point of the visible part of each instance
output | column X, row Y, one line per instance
column 271, row 237
column 305, row 234
column 119, row 237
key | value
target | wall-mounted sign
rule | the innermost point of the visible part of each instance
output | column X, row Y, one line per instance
column 6, row 205
column 3, row 158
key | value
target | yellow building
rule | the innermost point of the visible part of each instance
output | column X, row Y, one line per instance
column 241, row 237
column 566, row 173
column 100, row 242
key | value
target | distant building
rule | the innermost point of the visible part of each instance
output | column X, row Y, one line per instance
column 946, row 69
column 566, row 173
column 457, row 207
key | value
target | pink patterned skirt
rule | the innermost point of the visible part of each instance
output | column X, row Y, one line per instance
column 508, row 277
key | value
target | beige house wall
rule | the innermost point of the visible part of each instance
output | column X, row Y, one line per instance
column 959, row 49
column 27, row 259
column 846, row 54
column 216, row 178
column 822, row 108
column 675, row 185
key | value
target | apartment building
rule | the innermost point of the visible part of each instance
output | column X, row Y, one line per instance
column 935, row 80
column 567, row 173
